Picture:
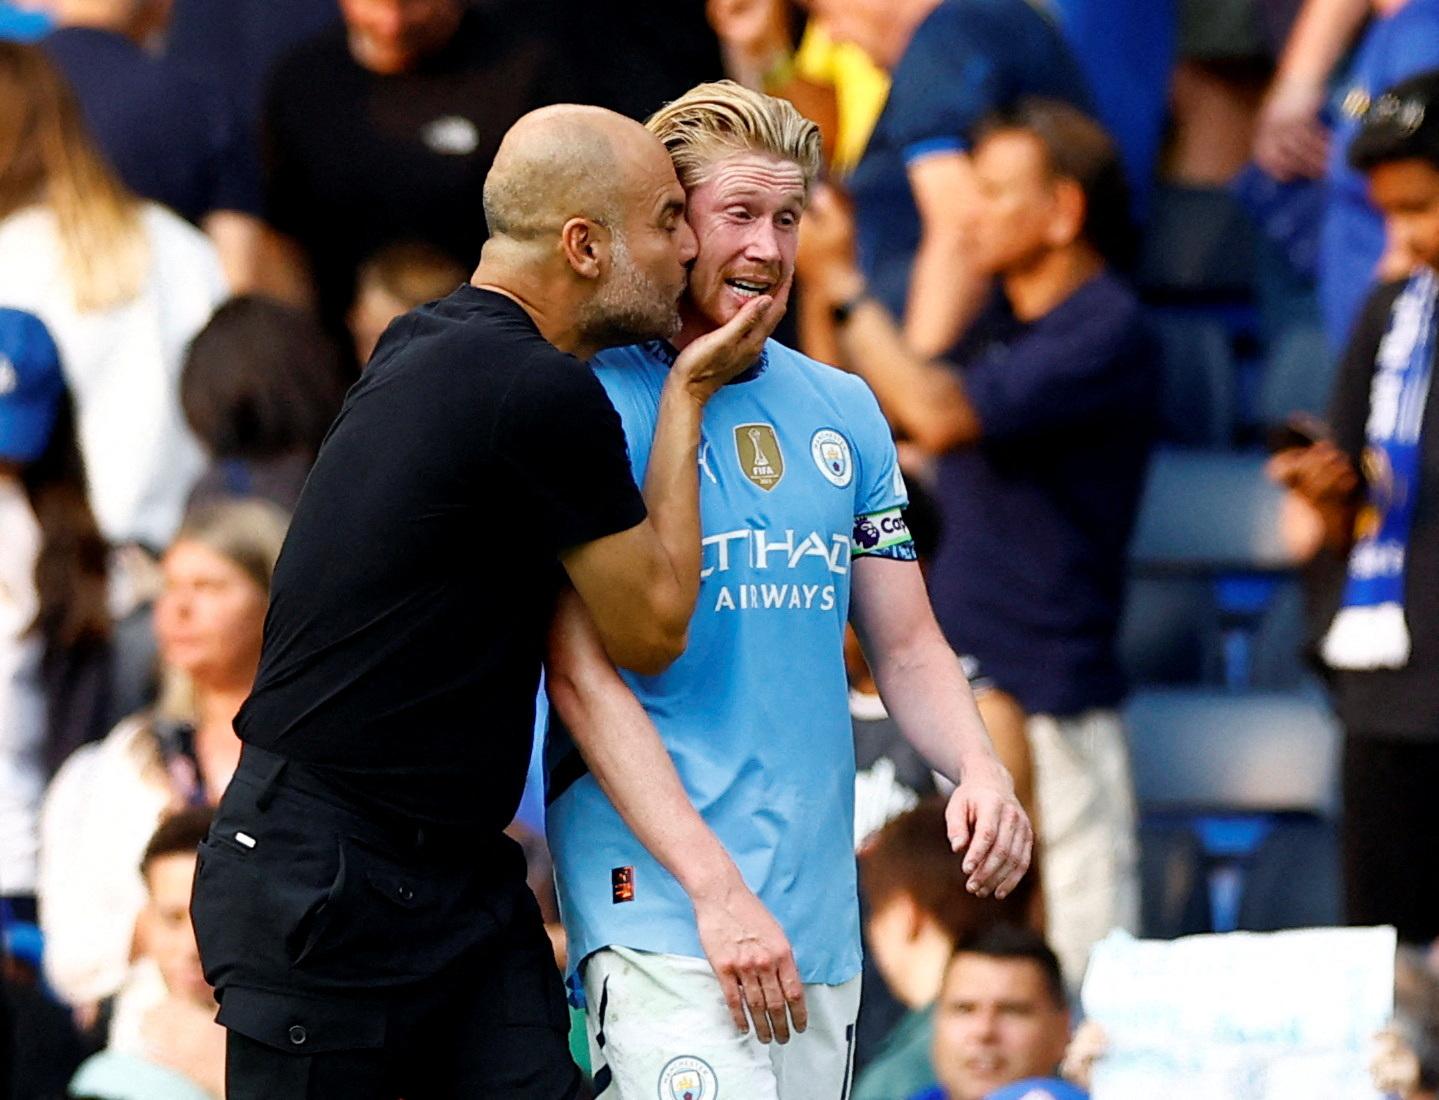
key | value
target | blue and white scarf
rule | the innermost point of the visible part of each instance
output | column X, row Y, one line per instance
column 1370, row 631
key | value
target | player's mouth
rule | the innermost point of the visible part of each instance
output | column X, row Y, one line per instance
column 749, row 288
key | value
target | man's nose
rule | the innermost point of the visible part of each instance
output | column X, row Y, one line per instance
column 763, row 242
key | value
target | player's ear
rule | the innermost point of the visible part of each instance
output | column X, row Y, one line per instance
column 586, row 246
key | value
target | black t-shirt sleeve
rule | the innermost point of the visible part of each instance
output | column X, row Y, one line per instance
column 563, row 442
column 1349, row 406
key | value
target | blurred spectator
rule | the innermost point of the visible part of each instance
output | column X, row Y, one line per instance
column 53, row 618
column 1401, row 40
column 261, row 384
column 122, row 285
column 1406, row 1054
column 634, row 58
column 235, row 42
column 108, row 797
column 393, row 281
column 169, row 133
column 1126, row 50
column 952, row 62
column 1365, row 504
column 383, row 129
column 1042, row 430
column 1001, row 1020
column 918, row 910
column 164, row 1043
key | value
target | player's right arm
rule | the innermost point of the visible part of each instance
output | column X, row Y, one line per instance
column 640, row 585
column 744, row 944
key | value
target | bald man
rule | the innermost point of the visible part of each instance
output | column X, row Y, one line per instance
column 364, row 921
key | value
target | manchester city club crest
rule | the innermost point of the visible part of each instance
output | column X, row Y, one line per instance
column 760, row 460
column 831, row 454
column 688, row 1078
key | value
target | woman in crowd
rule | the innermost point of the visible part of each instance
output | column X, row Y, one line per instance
column 108, row 798
column 261, row 383
column 122, row 285
column 53, row 621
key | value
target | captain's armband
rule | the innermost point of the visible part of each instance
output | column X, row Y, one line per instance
column 883, row 535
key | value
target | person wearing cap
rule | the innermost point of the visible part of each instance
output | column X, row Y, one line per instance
column 44, row 518
column 1364, row 506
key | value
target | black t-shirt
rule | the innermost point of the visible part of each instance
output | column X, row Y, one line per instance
column 1029, row 577
column 1403, row 702
column 355, row 160
column 172, row 134
column 410, row 603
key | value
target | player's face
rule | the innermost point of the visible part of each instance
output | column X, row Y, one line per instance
column 995, row 1023
column 745, row 213
column 390, row 36
column 165, row 931
column 1407, row 193
column 210, row 617
column 1014, row 209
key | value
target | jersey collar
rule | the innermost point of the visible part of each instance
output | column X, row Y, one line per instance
column 665, row 352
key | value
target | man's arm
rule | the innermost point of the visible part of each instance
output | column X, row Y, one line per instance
column 640, row 585
column 945, row 292
column 744, row 944
column 923, row 399
column 928, row 696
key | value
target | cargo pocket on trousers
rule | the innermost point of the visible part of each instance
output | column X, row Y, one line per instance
column 302, row 1025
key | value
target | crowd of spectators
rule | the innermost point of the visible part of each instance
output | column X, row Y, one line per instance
column 211, row 209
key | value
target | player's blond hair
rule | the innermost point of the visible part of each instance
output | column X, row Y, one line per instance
column 721, row 119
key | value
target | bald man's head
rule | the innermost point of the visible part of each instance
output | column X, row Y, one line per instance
column 592, row 196
column 558, row 163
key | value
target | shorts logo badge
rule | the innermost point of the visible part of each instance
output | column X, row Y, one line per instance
column 831, row 454
column 760, row 459
column 688, row 1078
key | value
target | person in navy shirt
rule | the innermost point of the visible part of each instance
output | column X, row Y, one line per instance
column 1041, row 429
column 952, row 63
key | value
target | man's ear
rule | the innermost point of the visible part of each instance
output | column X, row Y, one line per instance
column 1066, row 225
column 586, row 246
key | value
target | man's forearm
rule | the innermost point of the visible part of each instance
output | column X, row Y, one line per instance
column 671, row 487
column 629, row 761
column 928, row 696
column 945, row 294
column 922, row 399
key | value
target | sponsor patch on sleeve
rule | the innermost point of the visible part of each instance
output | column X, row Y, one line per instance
column 884, row 534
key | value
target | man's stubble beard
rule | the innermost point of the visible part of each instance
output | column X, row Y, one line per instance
column 629, row 308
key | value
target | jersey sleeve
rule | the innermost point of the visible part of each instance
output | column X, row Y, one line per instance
column 561, row 437
column 637, row 411
column 880, row 495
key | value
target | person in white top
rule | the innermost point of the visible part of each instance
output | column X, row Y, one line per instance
column 122, row 285
column 52, row 581
column 108, row 797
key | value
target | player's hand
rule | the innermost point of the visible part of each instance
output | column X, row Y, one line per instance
column 716, row 357
column 752, row 959
column 987, row 823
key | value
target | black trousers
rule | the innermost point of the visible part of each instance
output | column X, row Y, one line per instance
column 365, row 959
column 1390, row 835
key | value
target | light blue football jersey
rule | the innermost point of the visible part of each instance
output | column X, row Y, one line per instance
column 798, row 473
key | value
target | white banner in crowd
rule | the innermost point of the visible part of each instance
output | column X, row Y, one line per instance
column 1240, row 1016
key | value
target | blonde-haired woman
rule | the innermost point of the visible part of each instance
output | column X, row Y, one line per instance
column 122, row 285
column 109, row 796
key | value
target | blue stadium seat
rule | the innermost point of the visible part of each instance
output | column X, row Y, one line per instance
column 1198, row 245
column 1207, row 512
column 1204, row 750
column 1298, row 375
column 1199, row 396
column 1169, row 632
